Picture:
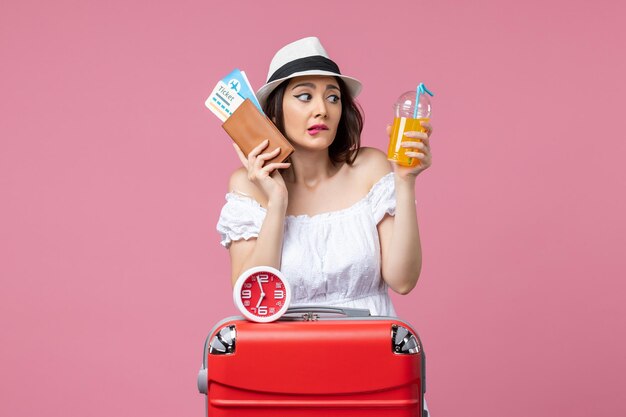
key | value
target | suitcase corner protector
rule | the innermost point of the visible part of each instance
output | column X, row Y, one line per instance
column 203, row 381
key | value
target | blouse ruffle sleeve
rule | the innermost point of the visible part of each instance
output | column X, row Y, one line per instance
column 382, row 197
column 241, row 218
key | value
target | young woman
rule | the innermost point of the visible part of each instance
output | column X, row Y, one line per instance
column 338, row 220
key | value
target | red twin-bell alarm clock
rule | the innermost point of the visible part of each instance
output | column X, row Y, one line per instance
column 262, row 294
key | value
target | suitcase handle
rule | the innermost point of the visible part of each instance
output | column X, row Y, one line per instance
column 310, row 310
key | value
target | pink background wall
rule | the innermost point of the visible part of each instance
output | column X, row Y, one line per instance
column 112, row 175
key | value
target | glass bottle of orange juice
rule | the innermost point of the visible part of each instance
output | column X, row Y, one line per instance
column 410, row 109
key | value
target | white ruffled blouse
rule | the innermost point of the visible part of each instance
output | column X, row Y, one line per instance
column 330, row 259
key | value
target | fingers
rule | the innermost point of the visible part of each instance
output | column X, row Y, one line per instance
column 252, row 154
column 416, row 134
column 255, row 162
column 418, row 145
column 260, row 160
column 267, row 171
column 425, row 160
column 255, row 158
column 388, row 129
column 422, row 136
column 422, row 146
column 266, row 156
column 417, row 155
column 240, row 154
column 276, row 165
column 419, row 150
column 257, row 150
column 428, row 127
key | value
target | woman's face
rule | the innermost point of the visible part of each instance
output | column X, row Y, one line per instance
column 312, row 110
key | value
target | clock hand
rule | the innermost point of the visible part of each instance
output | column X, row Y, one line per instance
column 260, row 299
column 262, row 292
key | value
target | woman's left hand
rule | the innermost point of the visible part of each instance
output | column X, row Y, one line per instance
column 417, row 149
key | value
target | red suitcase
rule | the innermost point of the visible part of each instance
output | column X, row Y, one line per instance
column 314, row 361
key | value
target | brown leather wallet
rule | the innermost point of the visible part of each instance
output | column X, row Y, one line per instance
column 248, row 127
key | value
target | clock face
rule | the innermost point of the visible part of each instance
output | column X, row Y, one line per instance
column 262, row 294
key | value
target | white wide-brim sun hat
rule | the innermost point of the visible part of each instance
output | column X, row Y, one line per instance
column 305, row 56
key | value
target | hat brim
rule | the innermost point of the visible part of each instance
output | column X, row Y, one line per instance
column 354, row 85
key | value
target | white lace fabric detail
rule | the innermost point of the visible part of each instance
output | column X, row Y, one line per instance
column 330, row 259
column 241, row 218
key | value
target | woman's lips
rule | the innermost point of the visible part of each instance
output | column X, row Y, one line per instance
column 315, row 129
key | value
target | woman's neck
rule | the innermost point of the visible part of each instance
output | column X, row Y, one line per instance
column 309, row 168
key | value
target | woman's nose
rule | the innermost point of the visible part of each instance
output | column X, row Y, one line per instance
column 320, row 109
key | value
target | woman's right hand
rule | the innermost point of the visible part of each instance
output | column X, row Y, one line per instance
column 266, row 177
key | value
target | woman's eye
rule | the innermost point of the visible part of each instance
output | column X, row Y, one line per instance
column 334, row 99
column 303, row 97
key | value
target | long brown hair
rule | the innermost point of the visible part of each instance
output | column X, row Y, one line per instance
column 347, row 143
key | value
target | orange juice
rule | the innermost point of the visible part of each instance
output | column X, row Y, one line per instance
column 397, row 153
